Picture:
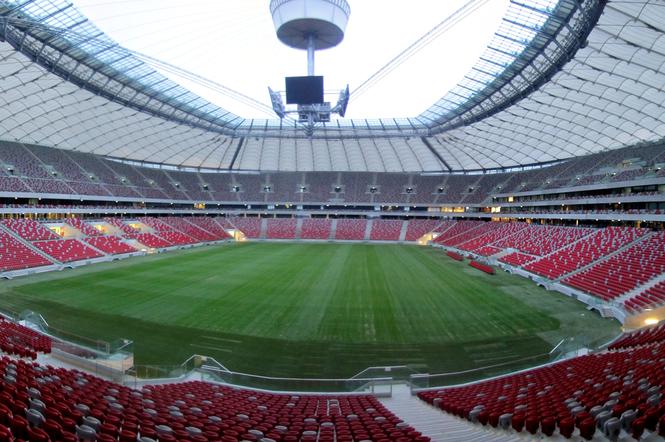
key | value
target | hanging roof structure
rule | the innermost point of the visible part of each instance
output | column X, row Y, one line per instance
column 560, row 79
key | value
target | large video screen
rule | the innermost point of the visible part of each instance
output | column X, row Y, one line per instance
column 304, row 90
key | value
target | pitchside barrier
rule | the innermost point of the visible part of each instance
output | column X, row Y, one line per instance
column 115, row 360
column 205, row 368
column 104, row 358
column 372, row 380
column 566, row 348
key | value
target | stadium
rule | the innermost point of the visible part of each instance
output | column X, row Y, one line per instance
column 184, row 261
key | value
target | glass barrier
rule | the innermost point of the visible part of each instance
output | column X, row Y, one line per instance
column 208, row 369
column 564, row 349
column 78, row 345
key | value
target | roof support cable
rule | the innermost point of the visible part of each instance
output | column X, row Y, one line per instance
column 431, row 35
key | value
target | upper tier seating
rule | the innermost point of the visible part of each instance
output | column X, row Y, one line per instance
column 60, row 162
column 251, row 227
column 583, row 392
column 16, row 256
column 84, row 228
column 624, row 271
column 356, row 187
column 111, row 245
column 386, row 230
column 281, row 228
column 456, row 188
column 391, row 188
column 585, row 251
column 319, row 186
column 543, row 240
column 96, row 166
column 158, row 179
column 350, row 229
column 190, row 184
column 251, row 187
column 315, row 228
column 11, row 184
column 29, row 229
column 220, row 186
column 22, row 162
column 419, row 227
column 284, row 185
column 67, row 250
column 484, row 187
column 49, row 186
column 48, row 170
column 425, row 188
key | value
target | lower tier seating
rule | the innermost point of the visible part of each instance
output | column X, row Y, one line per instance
column 67, row 250
column 449, row 237
column 585, row 251
column 493, row 233
column 603, row 392
column 650, row 298
column 315, row 228
column 42, row 403
column 350, row 229
column 419, row 227
column 643, row 336
column 517, row 259
column 150, row 240
column 251, row 227
column 21, row 341
column 16, row 256
column 386, row 230
column 177, row 238
column 185, row 226
column 624, row 271
column 111, row 245
column 281, row 228
column 209, row 225
column 84, row 228
column 29, row 229
column 487, row 251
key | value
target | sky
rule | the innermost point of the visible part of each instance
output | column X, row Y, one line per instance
column 233, row 43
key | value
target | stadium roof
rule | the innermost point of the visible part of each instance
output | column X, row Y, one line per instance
column 558, row 80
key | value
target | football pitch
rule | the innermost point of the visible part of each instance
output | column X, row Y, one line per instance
column 308, row 309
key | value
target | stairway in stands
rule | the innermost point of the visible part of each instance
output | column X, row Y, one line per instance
column 436, row 425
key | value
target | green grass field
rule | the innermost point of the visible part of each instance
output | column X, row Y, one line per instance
column 308, row 310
